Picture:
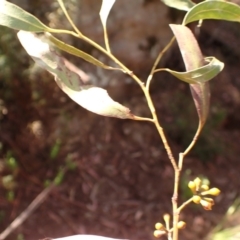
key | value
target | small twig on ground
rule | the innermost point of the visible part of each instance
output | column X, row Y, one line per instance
column 27, row 212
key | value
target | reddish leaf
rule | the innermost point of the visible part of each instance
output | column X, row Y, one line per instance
column 193, row 59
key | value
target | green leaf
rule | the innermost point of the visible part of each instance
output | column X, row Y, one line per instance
column 48, row 59
column 184, row 5
column 15, row 17
column 202, row 74
column 92, row 98
column 105, row 10
column 217, row 9
column 193, row 59
column 74, row 51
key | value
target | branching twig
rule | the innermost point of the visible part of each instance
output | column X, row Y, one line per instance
column 68, row 18
column 157, row 61
column 184, row 205
column 27, row 212
column 194, row 139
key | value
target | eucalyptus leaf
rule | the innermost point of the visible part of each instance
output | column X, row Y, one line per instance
column 74, row 51
column 105, row 10
column 214, row 9
column 193, row 59
column 92, row 98
column 184, row 5
column 48, row 59
column 15, row 17
column 97, row 100
column 201, row 96
column 202, row 74
column 189, row 48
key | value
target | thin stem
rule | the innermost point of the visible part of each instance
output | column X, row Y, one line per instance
column 180, row 161
column 137, row 118
column 184, row 205
column 175, row 197
column 52, row 30
column 68, row 17
column 194, row 139
column 157, row 61
column 103, row 50
column 165, row 143
column 160, row 69
column 176, row 217
column 106, row 40
column 170, row 235
column 166, row 218
column 159, row 128
column 175, row 203
column 176, row 210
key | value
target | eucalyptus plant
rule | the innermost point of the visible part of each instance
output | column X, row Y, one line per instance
column 199, row 71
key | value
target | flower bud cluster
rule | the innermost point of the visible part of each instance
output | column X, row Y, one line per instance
column 162, row 230
column 200, row 190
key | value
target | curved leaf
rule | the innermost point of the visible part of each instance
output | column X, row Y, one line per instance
column 97, row 100
column 193, row 59
column 215, row 9
column 92, row 98
column 15, row 17
column 202, row 74
column 105, row 10
column 189, row 48
column 74, row 51
column 48, row 59
column 184, row 5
